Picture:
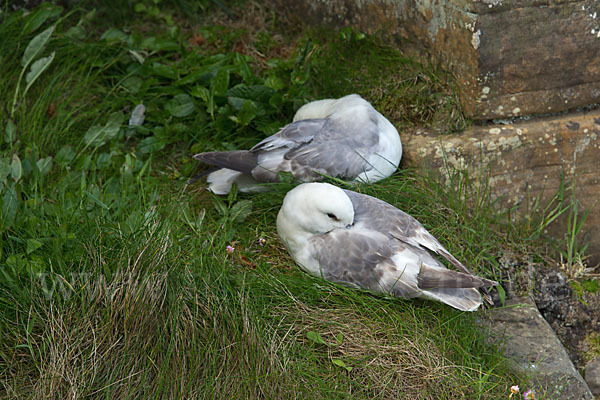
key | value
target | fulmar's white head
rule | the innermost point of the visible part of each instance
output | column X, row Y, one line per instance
column 312, row 209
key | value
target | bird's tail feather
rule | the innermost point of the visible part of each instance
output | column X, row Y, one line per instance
column 239, row 160
column 435, row 277
column 448, row 286
column 221, row 180
column 459, row 298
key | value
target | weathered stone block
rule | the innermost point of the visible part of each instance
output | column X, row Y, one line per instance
column 592, row 376
column 530, row 342
column 525, row 161
column 510, row 57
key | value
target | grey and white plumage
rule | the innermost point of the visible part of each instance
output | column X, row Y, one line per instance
column 344, row 138
column 360, row 241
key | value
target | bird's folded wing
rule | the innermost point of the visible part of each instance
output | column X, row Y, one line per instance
column 291, row 135
column 314, row 147
column 383, row 217
column 361, row 260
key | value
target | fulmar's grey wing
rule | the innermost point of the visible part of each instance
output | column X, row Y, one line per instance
column 372, row 261
column 271, row 151
column 308, row 148
column 362, row 261
column 341, row 148
column 291, row 136
column 378, row 215
column 372, row 213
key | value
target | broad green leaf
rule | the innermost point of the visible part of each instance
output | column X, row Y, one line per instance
column 16, row 169
column 150, row 145
column 4, row 169
column 44, row 165
column 274, row 83
column 36, row 70
column 133, row 84
column 236, row 102
column 103, row 160
column 98, row 135
column 220, row 82
column 247, row 112
column 240, row 211
column 315, row 337
column 33, row 245
column 10, row 206
column 342, row 364
column 36, row 46
column 76, row 33
column 11, row 132
column 41, row 15
column 114, row 34
column 181, row 105
column 159, row 44
column 94, row 135
column 204, row 74
column 65, row 155
column 260, row 93
column 87, row 17
column 276, row 101
column 164, row 71
column 339, row 338
column 153, row 11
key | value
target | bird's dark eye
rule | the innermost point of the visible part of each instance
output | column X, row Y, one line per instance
column 332, row 216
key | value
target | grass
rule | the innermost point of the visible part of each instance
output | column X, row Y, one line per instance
column 410, row 93
column 115, row 279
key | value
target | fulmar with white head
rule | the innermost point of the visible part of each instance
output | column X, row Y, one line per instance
column 345, row 138
column 360, row 241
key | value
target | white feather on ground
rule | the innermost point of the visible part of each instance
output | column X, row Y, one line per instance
column 345, row 138
column 358, row 240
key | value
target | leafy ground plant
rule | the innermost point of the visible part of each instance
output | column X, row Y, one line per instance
column 119, row 280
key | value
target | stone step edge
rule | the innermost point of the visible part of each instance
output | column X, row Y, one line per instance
column 529, row 341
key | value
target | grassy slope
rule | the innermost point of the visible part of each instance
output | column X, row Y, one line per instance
column 115, row 277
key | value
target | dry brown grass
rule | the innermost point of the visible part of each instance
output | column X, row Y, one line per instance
column 387, row 361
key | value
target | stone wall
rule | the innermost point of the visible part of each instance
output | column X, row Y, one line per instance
column 510, row 57
column 525, row 161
